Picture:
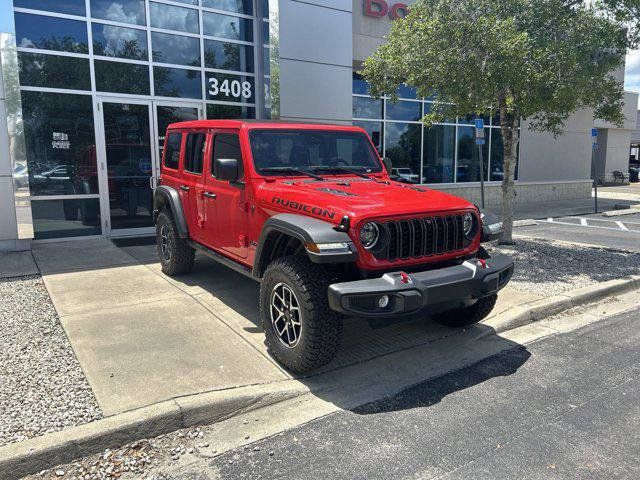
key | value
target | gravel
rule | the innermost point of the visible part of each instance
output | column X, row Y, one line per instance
column 42, row 387
column 549, row 267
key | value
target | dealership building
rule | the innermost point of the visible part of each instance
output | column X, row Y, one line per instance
column 88, row 87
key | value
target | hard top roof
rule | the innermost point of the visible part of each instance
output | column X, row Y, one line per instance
column 250, row 124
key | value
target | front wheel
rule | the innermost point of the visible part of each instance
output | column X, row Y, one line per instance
column 301, row 331
column 463, row 317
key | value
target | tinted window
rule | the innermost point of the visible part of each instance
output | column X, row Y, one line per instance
column 360, row 85
column 374, row 130
column 72, row 7
column 215, row 111
column 194, row 152
column 66, row 218
column 176, row 82
column 50, row 33
column 176, row 49
column 237, row 6
column 364, row 107
column 226, row 145
column 403, row 110
column 173, row 18
column 121, row 77
column 226, row 26
column 468, row 167
column 172, row 150
column 52, row 71
column 228, row 56
column 124, row 11
column 60, row 144
column 439, row 154
column 402, row 145
column 111, row 41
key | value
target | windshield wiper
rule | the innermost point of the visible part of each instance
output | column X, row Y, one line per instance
column 340, row 170
column 291, row 170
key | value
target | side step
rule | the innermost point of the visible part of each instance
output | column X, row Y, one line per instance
column 223, row 260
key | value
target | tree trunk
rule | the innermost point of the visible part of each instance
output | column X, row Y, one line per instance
column 510, row 138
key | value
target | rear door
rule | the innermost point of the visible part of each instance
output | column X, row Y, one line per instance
column 193, row 182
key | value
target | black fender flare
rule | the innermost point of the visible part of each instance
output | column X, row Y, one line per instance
column 165, row 196
column 308, row 230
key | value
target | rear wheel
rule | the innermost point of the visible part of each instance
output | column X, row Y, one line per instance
column 463, row 317
column 301, row 331
column 176, row 256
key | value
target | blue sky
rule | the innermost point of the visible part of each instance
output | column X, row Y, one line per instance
column 632, row 71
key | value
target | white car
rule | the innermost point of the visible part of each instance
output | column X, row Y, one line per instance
column 405, row 173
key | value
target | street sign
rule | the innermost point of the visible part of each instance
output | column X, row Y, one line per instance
column 479, row 124
column 595, row 145
column 480, row 141
column 594, row 132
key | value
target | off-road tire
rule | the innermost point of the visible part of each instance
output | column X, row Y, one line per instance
column 463, row 317
column 321, row 327
column 181, row 255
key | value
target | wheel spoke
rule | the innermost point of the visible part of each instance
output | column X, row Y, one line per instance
column 286, row 315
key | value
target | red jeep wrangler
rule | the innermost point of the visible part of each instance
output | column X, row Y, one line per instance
column 310, row 212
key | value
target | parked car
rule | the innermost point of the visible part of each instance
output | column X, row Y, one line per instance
column 311, row 213
column 633, row 174
column 405, row 173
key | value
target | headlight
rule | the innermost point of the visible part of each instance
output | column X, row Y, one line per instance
column 468, row 224
column 369, row 234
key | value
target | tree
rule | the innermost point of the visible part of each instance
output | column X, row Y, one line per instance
column 522, row 59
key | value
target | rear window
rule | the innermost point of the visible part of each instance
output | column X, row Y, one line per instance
column 172, row 150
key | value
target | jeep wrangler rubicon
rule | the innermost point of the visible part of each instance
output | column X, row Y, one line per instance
column 311, row 213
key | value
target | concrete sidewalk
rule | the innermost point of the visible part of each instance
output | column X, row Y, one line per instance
column 142, row 337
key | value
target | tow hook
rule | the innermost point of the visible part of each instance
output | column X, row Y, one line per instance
column 483, row 263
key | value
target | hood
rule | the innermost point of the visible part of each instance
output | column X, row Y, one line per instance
column 356, row 197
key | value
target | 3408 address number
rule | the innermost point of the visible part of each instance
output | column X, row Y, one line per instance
column 230, row 88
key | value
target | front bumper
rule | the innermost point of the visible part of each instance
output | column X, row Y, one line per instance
column 411, row 292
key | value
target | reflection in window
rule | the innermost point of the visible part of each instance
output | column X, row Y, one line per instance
column 121, row 77
column 404, row 91
column 173, row 18
column 215, row 111
column 112, row 41
column 365, row 107
column 228, row 56
column 52, row 71
column 225, row 26
column 171, row 157
column 72, row 7
column 66, row 218
column 374, row 130
column 176, row 49
column 51, row 33
column 168, row 115
column 236, row 6
column 176, row 82
column 230, row 88
column 439, row 154
column 123, row 11
column 60, row 143
column 497, row 156
column 360, row 85
column 408, row 111
column 402, row 146
column 468, row 169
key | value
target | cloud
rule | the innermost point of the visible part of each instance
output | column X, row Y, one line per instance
column 632, row 72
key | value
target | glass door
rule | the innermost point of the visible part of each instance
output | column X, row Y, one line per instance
column 167, row 113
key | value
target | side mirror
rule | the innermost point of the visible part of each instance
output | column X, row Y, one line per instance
column 387, row 164
column 226, row 169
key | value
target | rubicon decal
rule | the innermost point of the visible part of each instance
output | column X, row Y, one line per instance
column 302, row 207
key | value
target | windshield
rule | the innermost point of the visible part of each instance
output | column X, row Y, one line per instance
column 310, row 150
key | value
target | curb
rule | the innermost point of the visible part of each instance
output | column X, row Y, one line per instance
column 540, row 309
column 40, row 453
column 618, row 213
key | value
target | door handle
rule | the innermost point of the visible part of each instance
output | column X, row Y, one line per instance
column 209, row 195
column 184, row 188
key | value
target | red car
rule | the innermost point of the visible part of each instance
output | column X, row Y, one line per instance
column 310, row 212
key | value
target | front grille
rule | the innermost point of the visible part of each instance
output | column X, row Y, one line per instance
column 422, row 237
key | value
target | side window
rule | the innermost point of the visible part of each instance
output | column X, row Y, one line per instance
column 194, row 152
column 172, row 150
column 227, row 145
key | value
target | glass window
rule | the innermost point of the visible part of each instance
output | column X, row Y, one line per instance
column 177, row 82
column 497, row 156
column 121, row 77
column 187, row 2
column 176, row 49
column 60, row 143
column 360, row 85
column 52, row 71
column 409, row 111
column 266, row 34
column 439, row 154
column 468, row 167
column 111, row 41
column 166, row 115
column 123, row 11
column 364, row 107
column 194, row 152
column 172, row 150
column 66, row 218
column 405, row 91
column 374, row 130
column 228, row 56
column 215, row 111
column 71, row 7
column 51, row 33
column 236, row 6
column 173, row 18
column 226, row 145
column 226, row 26
column 471, row 119
column 230, row 88
column 402, row 146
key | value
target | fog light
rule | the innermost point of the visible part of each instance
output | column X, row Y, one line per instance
column 383, row 301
